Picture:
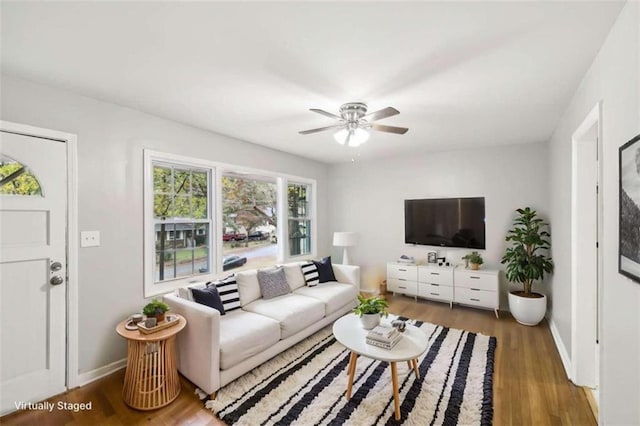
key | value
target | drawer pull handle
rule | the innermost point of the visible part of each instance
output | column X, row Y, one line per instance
column 437, row 285
column 435, row 294
column 435, row 273
column 474, row 289
column 402, row 287
column 402, row 270
column 401, row 279
column 475, row 300
column 474, row 278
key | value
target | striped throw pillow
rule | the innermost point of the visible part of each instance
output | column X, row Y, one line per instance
column 228, row 290
column 310, row 272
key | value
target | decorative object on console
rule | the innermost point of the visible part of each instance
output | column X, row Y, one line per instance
column 629, row 212
column 432, row 256
column 370, row 310
column 474, row 260
column 441, row 261
column 527, row 262
column 354, row 123
column 409, row 260
column 155, row 309
column 346, row 240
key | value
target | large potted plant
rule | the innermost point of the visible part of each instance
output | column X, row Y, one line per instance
column 370, row 310
column 527, row 261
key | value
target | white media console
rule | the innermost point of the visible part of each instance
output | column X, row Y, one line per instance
column 449, row 284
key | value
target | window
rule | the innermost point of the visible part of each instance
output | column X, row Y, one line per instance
column 299, row 220
column 181, row 215
column 249, row 221
column 16, row 179
column 204, row 220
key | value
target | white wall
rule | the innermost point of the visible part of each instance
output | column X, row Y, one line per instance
column 612, row 79
column 110, row 143
column 368, row 198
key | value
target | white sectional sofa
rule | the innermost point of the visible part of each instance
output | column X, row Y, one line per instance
column 215, row 349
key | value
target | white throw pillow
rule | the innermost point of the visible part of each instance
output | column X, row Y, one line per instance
column 294, row 275
column 248, row 286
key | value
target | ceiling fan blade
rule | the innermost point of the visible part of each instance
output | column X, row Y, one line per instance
column 383, row 113
column 389, row 129
column 325, row 113
column 321, row 129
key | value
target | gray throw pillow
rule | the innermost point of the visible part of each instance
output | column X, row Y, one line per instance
column 273, row 282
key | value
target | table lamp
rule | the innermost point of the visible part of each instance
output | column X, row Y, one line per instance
column 346, row 240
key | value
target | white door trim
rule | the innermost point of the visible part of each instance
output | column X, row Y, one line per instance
column 593, row 118
column 72, row 237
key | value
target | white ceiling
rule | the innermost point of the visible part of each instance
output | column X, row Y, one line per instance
column 461, row 74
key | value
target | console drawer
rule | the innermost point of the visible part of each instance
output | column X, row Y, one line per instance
column 399, row 285
column 479, row 281
column 435, row 291
column 436, row 275
column 467, row 296
column 405, row 272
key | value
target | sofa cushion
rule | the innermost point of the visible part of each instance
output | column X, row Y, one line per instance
column 273, row 282
column 185, row 292
column 294, row 275
column 209, row 297
column 333, row 295
column 228, row 290
column 294, row 312
column 248, row 286
column 245, row 334
column 325, row 270
column 310, row 272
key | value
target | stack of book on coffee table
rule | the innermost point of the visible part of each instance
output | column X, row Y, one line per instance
column 383, row 337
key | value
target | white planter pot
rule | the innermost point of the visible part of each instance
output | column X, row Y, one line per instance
column 369, row 321
column 526, row 310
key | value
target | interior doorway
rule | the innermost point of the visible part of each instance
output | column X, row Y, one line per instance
column 586, row 259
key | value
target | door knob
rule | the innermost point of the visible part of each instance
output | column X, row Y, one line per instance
column 55, row 266
column 57, row 280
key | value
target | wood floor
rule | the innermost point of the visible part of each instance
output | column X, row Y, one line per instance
column 530, row 385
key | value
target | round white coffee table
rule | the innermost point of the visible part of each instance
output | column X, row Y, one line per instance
column 349, row 332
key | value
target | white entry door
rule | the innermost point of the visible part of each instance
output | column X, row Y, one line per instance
column 33, row 268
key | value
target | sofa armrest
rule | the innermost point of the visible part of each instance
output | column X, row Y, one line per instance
column 347, row 274
column 198, row 345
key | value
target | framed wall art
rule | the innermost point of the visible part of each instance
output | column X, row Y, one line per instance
column 629, row 211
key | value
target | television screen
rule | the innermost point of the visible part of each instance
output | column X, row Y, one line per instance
column 445, row 222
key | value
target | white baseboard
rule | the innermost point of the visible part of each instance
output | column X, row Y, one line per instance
column 562, row 350
column 98, row 373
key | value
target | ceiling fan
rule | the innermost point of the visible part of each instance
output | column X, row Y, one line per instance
column 354, row 123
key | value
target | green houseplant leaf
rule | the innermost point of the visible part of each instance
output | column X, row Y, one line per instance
column 371, row 305
column 155, row 307
column 527, row 259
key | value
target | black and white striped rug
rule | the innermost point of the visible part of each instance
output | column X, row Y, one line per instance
column 306, row 384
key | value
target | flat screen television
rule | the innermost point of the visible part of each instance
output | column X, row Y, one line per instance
column 445, row 222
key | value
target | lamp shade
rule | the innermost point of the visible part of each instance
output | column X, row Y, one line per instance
column 345, row 239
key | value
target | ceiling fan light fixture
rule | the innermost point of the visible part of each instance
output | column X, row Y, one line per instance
column 354, row 137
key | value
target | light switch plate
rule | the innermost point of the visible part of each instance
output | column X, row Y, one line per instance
column 89, row 238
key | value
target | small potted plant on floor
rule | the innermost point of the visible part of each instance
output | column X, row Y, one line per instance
column 155, row 309
column 474, row 259
column 527, row 262
column 370, row 310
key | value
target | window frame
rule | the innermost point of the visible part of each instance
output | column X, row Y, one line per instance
column 214, row 208
column 310, row 217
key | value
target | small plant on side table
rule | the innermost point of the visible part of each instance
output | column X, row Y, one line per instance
column 156, row 309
